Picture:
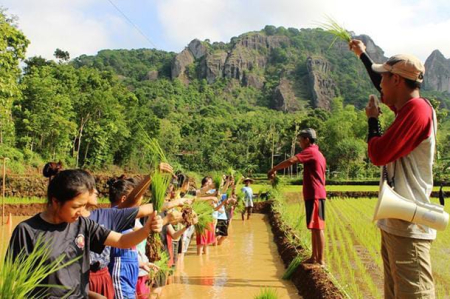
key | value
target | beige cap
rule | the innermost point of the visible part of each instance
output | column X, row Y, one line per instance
column 407, row 66
column 309, row 132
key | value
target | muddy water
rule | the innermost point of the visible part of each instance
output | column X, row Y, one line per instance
column 244, row 264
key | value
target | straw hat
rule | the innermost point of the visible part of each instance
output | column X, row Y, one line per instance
column 248, row 179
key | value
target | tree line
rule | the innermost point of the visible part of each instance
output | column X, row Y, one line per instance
column 98, row 113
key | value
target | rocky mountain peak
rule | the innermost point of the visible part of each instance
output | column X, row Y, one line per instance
column 437, row 72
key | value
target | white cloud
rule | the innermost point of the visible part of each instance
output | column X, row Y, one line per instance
column 396, row 26
column 87, row 26
column 61, row 24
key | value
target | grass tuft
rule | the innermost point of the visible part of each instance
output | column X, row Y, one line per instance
column 267, row 293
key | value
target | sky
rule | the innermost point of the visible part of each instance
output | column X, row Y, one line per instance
column 87, row 26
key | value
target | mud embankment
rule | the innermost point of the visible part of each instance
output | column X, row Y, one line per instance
column 311, row 280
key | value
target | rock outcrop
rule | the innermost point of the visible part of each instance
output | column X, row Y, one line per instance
column 179, row 64
column 375, row 52
column 253, row 80
column 152, row 76
column 437, row 72
column 323, row 88
column 197, row 49
column 248, row 53
column 284, row 98
column 214, row 65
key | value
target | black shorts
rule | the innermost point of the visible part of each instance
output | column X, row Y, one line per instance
column 222, row 228
column 315, row 213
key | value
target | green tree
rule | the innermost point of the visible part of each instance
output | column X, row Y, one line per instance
column 13, row 45
column 44, row 116
column 62, row 55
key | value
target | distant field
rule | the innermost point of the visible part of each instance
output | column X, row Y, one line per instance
column 257, row 188
column 298, row 188
column 25, row 200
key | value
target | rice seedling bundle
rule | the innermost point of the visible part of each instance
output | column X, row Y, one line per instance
column 188, row 215
column 217, row 180
column 240, row 207
column 159, row 185
column 275, row 182
column 229, row 191
column 231, row 171
column 335, row 29
column 159, row 276
column 154, row 147
column 292, row 267
column 26, row 272
column 267, row 293
column 204, row 214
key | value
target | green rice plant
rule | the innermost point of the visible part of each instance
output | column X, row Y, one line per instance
column 231, row 171
column 275, row 182
column 20, row 276
column 240, row 206
column 238, row 178
column 292, row 267
column 204, row 213
column 267, row 293
column 159, row 185
column 163, row 271
column 217, row 180
column 154, row 147
column 229, row 191
column 335, row 29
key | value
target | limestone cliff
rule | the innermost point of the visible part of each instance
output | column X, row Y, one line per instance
column 375, row 52
column 437, row 72
column 322, row 86
column 284, row 98
column 179, row 64
column 250, row 52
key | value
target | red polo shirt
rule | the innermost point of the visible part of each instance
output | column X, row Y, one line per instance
column 313, row 173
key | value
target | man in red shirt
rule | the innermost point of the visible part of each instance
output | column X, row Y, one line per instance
column 314, row 192
column 406, row 152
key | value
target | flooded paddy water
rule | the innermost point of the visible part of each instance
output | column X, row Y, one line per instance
column 4, row 233
column 244, row 264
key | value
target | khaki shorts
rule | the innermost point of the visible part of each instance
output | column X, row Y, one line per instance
column 407, row 267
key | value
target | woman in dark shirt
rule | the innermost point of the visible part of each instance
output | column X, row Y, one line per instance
column 68, row 233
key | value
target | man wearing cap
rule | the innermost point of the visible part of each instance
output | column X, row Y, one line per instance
column 406, row 152
column 314, row 192
column 248, row 198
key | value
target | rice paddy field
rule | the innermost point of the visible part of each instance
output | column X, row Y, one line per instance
column 342, row 188
column 352, row 252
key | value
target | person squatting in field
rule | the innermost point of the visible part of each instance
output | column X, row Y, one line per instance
column 406, row 152
column 68, row 233
column 314, row 193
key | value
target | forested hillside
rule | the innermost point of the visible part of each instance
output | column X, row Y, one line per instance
column 212, row 106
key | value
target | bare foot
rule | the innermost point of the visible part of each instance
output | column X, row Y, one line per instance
column 311, row 260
